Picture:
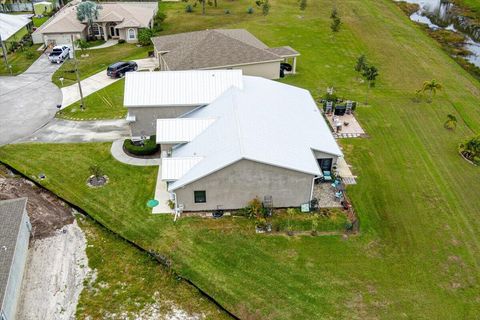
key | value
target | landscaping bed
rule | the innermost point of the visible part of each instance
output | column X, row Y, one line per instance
column 148, row 147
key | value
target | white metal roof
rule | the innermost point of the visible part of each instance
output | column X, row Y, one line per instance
column 267, row 122
column 11, row 24
column 180, row 130
column 174, row 168
column 178, row 88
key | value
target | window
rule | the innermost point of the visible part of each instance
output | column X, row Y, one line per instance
column 131, row 33
column 200, row 196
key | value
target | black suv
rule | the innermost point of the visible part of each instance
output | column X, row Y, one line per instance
column 118, row 69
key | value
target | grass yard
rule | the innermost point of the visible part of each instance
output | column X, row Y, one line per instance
column 418, row 255
column 98, row 60
column 130, row 283
column 19, row 61
column 37, row 22
column 106, row 103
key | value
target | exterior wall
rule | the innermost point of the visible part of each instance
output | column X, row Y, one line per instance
column 12, row 292
column 146, row 117
column 17, row 36
column 322, row 155
column 125, row 34
column 268, row 70
column 234, row 186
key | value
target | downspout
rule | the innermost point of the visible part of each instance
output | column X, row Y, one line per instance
column 313, row 183
column 177, row 213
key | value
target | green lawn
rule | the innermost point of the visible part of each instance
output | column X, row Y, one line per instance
column 37, row 22
column 130, row 281
column 106, row 103
column 98, row 60
column 418, row 254
column 19, row 61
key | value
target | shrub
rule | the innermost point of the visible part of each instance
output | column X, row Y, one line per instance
column 149, row 147
column 96, row 171
column 120, row 41
column 29, row 54
column 250, row 10
column 144, row 36
column 189, row 8
column 227, row 11
column 255, row 209
column 470, row 149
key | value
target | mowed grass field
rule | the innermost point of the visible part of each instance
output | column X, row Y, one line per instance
column 418, row 253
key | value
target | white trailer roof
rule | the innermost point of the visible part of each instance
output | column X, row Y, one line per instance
column 175, row 168
column 180, row 130
column 11, row 24
column 178, row 88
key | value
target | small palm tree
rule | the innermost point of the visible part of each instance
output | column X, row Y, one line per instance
column 370, row 73
column 88, row 11
column 432, row 87
column 470, row 149
column 451, row 122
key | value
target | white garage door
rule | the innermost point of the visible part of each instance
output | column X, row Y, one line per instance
column 58, row 39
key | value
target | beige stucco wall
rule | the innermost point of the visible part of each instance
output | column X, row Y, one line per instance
column 63, row 38
column 323, row 155
column 234, row 186
column 268, row 70
column 146, row 117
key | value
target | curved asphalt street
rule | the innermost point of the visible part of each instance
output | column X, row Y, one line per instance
column 28, row 101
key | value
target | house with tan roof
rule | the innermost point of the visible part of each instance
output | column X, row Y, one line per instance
column 223, row 49
column 116, row 20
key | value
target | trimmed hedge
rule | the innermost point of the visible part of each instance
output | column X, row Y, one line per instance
column 149, row 147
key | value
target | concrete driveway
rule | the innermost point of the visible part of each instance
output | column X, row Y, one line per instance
column 64, row 131
column 98, row 81
column 28, row 101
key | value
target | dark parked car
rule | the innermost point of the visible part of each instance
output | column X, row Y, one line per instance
column 118, row 69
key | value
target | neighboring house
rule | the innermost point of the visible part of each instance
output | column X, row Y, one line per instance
column 13, row 28
column 235, row 138
column 14, row 236
column 222, row 49
column 117, row 20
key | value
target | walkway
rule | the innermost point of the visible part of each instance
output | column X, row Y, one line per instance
column 65, row 131
column 121, row 156
column 97, row 82
column 28, row 101
column 108, row 43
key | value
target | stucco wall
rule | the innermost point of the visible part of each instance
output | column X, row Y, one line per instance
column 268, row 70
column 63, row 38
column 234, row 186
column 323, row 155
column 146, row 117
column 12, row 292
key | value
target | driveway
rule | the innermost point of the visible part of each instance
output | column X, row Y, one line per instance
column 98, row 81
column 28, row 101
column 64, row 131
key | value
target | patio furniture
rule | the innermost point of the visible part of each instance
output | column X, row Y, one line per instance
column 349, row 107
column 338, row 195
column 328, row 107
column 327, row 176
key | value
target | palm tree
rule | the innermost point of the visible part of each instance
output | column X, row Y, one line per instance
column 431, row 86
column 88, row 11
column 451, row 122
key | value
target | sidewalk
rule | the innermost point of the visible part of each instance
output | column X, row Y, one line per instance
column 96, row 82
column 121, row 156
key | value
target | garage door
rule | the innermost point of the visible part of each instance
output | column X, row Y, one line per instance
column 58, row 39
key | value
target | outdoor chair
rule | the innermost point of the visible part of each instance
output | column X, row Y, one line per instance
column 338, row 195
column 327, row 176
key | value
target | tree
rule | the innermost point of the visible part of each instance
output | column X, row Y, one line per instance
column 336, row 21
column 361, row 64
column 145, row 36
column 303, row 5
column 451, row 122
column 96, row 171
column 88, row 11
column 265, row 7
column 432, row 87
column 82, row 44
column 370, row 73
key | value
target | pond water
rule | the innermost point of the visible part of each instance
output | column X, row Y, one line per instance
column 440, row 14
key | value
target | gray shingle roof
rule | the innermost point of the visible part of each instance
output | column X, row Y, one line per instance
column 284, row 51
column 212, row 49
column 11, row 213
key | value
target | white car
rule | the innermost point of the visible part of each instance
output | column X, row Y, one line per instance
column 59, row 54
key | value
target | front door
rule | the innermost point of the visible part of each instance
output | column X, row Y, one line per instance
column 114, row 32
column 325, row 164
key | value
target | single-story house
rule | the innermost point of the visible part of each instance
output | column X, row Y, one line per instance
column 222, row 49
column 230, row 138
column 13, row 28
column 14, row 237
column 116, row 20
